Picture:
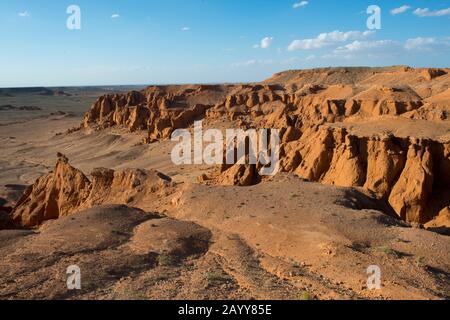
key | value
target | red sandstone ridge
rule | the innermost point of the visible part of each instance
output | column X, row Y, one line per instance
column 410, row 174
column 67, row 190
column 382, row 129
column 308, row 97
column 158, row 110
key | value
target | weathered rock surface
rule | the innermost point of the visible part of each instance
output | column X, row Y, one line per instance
column 67, row 190
column 158, row 110
column 413, row 189
column 243, row 175
column 385, row 162
column 406, row 172
column 441, row 223
column 303, row 105
column 295, row 98
column 53, row 195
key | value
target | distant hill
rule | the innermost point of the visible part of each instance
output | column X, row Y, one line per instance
column 10, row 92
column 65, row 91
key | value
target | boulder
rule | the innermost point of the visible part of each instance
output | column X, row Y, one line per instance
column 239, row 175
column 441, row 223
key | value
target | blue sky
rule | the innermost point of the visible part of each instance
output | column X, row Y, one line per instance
column 208, row 41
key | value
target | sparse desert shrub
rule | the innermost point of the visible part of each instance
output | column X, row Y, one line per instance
column 387, row 251
column 165, row 260
column 420, row 261
column 214, row 276
column 305, row 295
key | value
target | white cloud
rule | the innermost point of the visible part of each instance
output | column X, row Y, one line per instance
column 24, row 14
column 300, row 4
column 115, row 16
column 266, row 42
column 429, row 13
column 400, row 10
column 252, row 62
column 387, row 48
column 419, row 43
column 361, row 46
column 365, row 50
column 328, row 39
column 185, row 29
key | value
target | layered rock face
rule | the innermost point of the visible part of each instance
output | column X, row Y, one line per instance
column 441, row 223
column 67, row 190
column 158, row 110
column 314, row 104
column 408, row 173
column 53, row 195
column 409, row 169
column 413, row 189
column 295, row 98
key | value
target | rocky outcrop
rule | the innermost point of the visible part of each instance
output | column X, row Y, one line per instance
column 315, row 111
column 67, row 190
column 243, row 175
column 110, row 110
column 161, row 124
column 430, row 74
column 413, row 189
column 315, row 158
column 158, row 110
column 347, row 167
column 248, row 100
column 430, row 112
column 383, row 100
column 124, row 187
column 407, row 173
column 441, row 223
column 53, row 195
column 385, row 162
column 277, row 106
column 300, row 99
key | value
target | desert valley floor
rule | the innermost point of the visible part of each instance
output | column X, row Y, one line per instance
column 86, row 179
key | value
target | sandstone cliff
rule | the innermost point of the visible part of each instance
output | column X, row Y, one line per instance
column 406, row 172
column 158, row 110
column 306, row 98
column 405, row 163
column 67, row 190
